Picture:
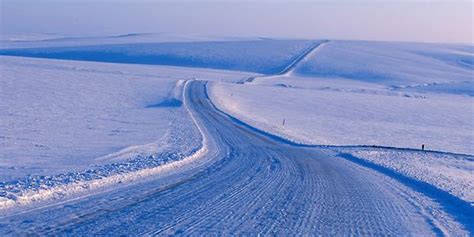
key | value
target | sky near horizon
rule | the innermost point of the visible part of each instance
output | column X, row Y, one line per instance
column 394, row 20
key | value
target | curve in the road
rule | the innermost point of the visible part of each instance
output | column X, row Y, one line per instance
column 461, row 210
column 257, row 186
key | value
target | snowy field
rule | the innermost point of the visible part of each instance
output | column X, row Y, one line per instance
column 80, row 112
column 372, row 96
column 346, row 114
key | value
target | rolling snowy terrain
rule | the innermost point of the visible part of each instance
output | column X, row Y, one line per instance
column 258, row 56
column 293, row 136
column 416, row 67
column 381, row 91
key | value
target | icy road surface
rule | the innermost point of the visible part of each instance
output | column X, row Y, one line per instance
column 253, row 184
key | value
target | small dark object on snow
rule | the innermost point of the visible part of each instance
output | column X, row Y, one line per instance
column 422, row 147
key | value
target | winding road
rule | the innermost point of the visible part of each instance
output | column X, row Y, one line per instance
column 252, row 184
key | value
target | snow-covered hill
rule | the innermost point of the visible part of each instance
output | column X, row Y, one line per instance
column 443, row 68
column 261, row 56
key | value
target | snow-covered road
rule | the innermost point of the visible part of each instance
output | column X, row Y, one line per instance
column 253, row 184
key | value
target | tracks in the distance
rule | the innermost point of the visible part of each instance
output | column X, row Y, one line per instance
column 289, row 68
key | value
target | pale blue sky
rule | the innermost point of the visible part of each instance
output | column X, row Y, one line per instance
column 427, row 21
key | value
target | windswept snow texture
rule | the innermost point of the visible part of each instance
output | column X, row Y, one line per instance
column 261, row 56
column 418, row 67
column 63, row 116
